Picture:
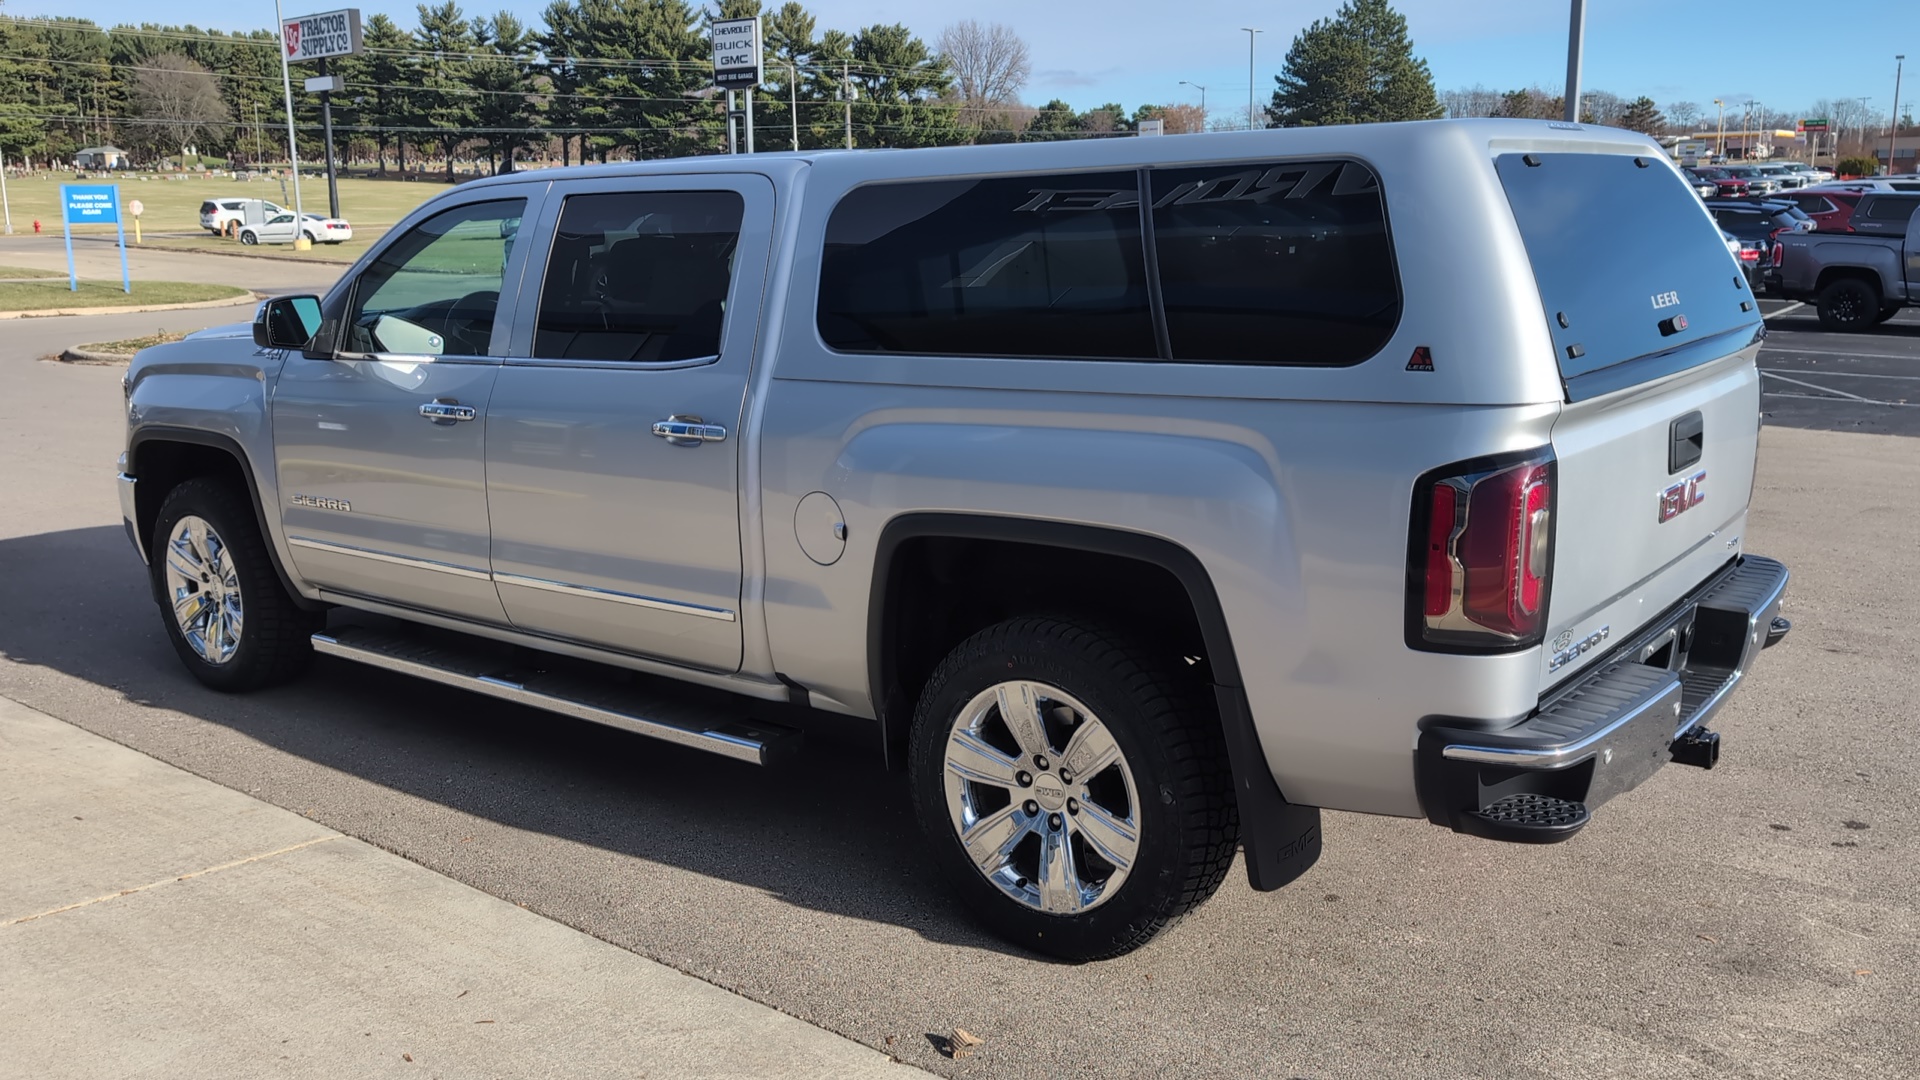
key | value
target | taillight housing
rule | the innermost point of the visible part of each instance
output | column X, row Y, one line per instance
column 1779, row 254
column 1749, row 254
column 1480, row 558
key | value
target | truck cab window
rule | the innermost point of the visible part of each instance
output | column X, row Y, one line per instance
column 638, row 276
column 434, row 292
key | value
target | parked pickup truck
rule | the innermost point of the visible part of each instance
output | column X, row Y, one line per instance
column 1148, row 495
column 1860, row 278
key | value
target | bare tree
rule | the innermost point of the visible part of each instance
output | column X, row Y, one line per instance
column 1683, row 116
column 1474, row 100
column 990, row 66
column 182, row 97
column 1183, row 119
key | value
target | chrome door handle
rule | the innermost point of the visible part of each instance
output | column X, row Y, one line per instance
column 447, row 412
column 688, row 431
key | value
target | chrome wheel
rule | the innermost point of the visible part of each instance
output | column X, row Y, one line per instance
column 203, row 588
column 1042, row 798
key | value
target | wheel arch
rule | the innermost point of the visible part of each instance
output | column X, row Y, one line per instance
column 1866, row 274
column 160, row 458
column 1282, row 839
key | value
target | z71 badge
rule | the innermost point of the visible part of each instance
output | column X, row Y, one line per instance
column 1682, row 497
column 320, row 503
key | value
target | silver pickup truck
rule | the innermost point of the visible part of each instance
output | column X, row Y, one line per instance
column 1148, row 495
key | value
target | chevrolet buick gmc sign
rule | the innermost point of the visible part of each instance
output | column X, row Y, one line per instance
column 736, row 53
column 316, row 37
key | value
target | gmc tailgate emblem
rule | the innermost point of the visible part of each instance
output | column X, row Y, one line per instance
column 1682, row 497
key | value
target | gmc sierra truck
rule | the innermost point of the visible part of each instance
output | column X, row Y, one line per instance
column 1856, row 279
column 1149, row 496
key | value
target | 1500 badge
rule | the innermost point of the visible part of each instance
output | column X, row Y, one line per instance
column 1682, row 497
column 320, row 503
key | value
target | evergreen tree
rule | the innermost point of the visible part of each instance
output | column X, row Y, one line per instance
column 1355, row 68
column 506, row 111
column 444, row 38
column 1643, row 116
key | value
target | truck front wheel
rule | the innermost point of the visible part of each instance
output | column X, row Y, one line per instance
column 1073, row 784
column 224, row 608
column 1848, row 304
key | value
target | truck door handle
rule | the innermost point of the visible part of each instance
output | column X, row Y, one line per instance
column 688, row 431
column 444, row 411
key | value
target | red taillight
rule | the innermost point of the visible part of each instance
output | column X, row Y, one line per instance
column 1779, row 255
column 1487, row 528
column 1748, row 254
column 1440, row 551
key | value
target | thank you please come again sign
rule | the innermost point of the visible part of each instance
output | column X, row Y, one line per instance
column 316, row 37
column 92, row 204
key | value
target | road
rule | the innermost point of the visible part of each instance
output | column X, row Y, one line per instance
column 1754, row 921
column 1841, row 382
column 101, row 261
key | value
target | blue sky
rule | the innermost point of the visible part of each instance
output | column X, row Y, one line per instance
column 1136, row 52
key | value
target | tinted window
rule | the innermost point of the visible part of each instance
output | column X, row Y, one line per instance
column 435, row 290
column 638, row 276
column 1619, row 249
column 1277, row 264
column 1008, row 266
column 1891, row 209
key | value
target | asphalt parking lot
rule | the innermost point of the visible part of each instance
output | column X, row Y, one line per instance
column 1754, row 921
column 1840, row 382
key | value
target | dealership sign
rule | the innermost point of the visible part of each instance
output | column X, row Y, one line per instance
column 736, row 53
column 317, row 37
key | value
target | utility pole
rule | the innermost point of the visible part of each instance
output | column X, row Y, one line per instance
column 1720, row 151
column 846, row 95
column 1203, row 101
column 1576, row 44
column 1250, row 33
column 793, row 102
column 1893, row 122
column 286, row 87
column 326, row 125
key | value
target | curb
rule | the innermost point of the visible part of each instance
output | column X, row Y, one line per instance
column 89, row 356
column 234, row 301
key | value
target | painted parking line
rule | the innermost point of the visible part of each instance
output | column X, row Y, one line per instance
column 1861, row 401
column 1815, row 386
column 1790, row 350
column 1779, row 372
column 1795, row 306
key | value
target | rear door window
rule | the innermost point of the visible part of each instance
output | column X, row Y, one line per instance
column 1619, row 248
column 1042, row 266
column 1274, row 263
column 1886, row 214
column 638, row 276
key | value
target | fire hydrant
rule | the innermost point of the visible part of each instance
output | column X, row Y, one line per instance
column 36, row 226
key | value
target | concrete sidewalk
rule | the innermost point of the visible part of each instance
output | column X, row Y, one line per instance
column 153, row 923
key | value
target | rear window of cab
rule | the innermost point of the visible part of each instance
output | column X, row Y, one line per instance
column 1238, row 262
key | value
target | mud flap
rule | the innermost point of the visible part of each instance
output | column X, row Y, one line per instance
column 1281, row 839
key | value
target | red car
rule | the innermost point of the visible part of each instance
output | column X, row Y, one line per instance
column 1730, row 186
column 1831, row 210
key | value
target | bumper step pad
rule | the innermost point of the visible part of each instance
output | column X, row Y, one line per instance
column 1528, row 819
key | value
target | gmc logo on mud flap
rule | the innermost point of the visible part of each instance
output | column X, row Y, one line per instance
column 1682, row 497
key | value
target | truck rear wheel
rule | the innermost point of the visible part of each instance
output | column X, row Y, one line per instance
column 225, row 611
column 1073, row 785
column 1849, row 304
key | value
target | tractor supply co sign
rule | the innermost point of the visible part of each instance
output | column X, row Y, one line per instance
column 317, row 37
column 736, row 53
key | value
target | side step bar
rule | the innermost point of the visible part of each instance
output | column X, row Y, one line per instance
column 627, row 707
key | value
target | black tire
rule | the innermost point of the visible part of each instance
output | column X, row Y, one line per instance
column 1848, row 305
column 1887, row 313
column 1164, row 722
column 275, row 633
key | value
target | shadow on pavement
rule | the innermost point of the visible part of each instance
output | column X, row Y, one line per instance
column 829, row 830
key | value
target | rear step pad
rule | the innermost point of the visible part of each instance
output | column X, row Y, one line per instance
column 1527, row 819
column 630, row 708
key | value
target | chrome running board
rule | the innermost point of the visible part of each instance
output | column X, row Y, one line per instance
column 627, row 706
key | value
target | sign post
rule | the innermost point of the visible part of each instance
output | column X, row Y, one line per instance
column 736, row 66
column 92, row 204
column 136, row 208
column 322, row 37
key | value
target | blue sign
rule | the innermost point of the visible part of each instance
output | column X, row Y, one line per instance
column 91, row 204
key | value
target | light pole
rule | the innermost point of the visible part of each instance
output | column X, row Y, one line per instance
column 1720, row 152
column 1251, row 31
column 1203, row 101
column 1893, row 122
column 1576, row 40
column 293, row 147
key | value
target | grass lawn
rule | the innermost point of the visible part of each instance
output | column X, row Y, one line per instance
column 129, row 346
column 363, row 238
column 27, row 272
column 53, row 293
column 174, row 205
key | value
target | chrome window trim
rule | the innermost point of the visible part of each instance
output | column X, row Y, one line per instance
column 381, row 556
column 589, row 593
column 614, row 365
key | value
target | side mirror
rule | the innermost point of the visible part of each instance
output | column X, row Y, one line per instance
column 286, row 322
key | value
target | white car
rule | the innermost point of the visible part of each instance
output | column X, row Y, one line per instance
column 1874, row 184
column 217, row 214
column 278, row 229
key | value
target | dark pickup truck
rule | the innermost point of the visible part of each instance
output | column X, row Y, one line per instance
column 1856, row 279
